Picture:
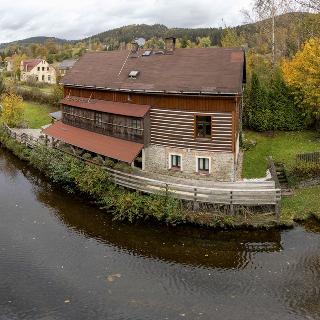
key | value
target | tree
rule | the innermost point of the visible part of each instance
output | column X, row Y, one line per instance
column 310, row 4
column 204, row 42
column 12, row 109
column 302, row 74
column 230, row 39
column 2, row 85
column 266, row 11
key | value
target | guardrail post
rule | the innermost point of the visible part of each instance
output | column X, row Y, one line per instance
column 278, row 205
column 195, row 196
column 231, row 203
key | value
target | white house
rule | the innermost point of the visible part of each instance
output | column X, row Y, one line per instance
column 37, row 69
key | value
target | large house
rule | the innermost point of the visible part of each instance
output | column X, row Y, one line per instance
column 175, row 111
column 38, row 70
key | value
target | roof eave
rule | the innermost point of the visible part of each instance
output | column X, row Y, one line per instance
column 145, row 91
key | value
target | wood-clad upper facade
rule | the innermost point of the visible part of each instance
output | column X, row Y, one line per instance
column 185, row 99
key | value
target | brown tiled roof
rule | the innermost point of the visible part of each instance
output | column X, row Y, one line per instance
column 107, row 146
column 126, row 109
column 214, row 70
column 28, row 65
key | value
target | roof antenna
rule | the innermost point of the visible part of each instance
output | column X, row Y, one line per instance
column 125, row 61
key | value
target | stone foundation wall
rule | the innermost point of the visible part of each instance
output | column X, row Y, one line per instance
column 157, row 159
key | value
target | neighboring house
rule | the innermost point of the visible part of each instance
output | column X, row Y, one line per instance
column 66, row 65
column 177, row 110
column 37, row 69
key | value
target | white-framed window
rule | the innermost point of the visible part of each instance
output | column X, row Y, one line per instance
column 203, row 164
column 175, row 161
column 49, row 77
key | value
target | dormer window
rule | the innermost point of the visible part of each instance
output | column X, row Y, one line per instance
column 133, row 74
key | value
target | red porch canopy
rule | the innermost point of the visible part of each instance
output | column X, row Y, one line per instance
column 107, row 146
column 120, row 108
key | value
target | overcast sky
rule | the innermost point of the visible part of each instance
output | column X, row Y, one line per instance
column 76, row 19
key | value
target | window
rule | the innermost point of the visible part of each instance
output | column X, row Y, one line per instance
column 203, row 127
column 136, row 125
column 42, row 77
column 47, row 68
column 175, row 161
column 38, row 68
column 42, row 68
column 98, row 119
column 49, row 78
column 203, row 165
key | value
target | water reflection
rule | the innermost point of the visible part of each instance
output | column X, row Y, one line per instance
column 56, row 247
column 185, row 245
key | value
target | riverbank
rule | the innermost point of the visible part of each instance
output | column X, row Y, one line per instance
column 93, row 181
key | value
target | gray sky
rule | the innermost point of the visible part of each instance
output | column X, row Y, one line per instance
column 76, row 19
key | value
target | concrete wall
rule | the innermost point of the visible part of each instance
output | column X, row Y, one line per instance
column 157, row 159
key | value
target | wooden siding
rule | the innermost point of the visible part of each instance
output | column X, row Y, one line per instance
column 109, row 124
column 174, row 128
column 176, row 102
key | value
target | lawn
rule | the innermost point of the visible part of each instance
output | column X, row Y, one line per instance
column 282, row 146
column 48, row 89
column 304, row 203
column 37, row 115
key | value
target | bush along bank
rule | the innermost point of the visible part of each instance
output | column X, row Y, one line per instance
column 92, row 180
column 75, row 175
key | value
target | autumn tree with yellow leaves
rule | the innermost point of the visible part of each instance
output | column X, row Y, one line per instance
column 12, row 109
column 302, row 73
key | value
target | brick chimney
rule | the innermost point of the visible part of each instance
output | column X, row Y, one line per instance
column 170, row 45
column 134, row 47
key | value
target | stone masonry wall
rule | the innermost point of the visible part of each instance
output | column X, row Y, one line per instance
column 157, row 160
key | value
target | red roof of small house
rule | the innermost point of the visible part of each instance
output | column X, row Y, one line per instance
column 111, row 147
column 29, row 64
column 126, row 109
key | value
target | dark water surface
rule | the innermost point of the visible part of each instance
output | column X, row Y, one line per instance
column 63, row 259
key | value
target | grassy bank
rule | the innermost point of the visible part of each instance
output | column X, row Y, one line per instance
column 282, row 146
column 37, row 115
column 304, row 204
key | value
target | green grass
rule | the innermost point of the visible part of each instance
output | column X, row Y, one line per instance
column 48, row 89
column 283, row 147
column 37, row 115
column 302, row 205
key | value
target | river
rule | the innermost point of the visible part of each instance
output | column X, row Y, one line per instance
column 62, row 258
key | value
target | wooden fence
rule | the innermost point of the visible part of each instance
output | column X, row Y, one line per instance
column 239, row 193
column 23, row 138
column 309, row 157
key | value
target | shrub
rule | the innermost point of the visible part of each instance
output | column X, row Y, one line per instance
column 303, row 169
column 271, row 105
column 94, row 181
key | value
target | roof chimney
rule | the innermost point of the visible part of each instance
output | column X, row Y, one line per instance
column 170, row 45
column 134, row 47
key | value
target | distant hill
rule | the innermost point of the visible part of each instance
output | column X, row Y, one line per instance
column 126, row 34
column 292, row 30
column 37, row 40
column 130, row 32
